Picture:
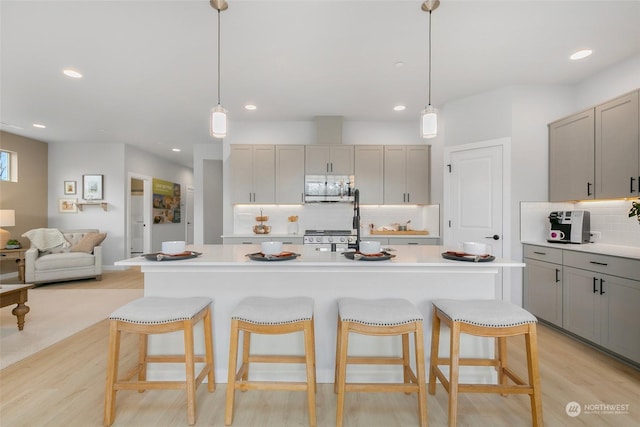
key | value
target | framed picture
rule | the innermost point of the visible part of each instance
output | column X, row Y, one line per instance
column 69, row 187
column 68, row 205
column 92, row 187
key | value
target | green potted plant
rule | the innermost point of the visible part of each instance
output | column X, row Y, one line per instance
column 635, row 209
column 13, row 244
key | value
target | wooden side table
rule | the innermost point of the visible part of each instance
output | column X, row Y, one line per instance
column 16, row 294
column 19, row 255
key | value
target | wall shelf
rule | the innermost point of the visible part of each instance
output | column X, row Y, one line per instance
column 83, row 204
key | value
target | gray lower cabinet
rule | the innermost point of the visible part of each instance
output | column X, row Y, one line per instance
column 599, row 300
column 543, row 283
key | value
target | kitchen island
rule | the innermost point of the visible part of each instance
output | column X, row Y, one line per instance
column 226, row 274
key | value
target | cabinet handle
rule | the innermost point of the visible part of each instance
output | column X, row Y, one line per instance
column 594, row 285
column 413, row 243
column 408, row 197
column 539, row 253
column 588, row 188
column 557, row 275
column 601, row 286
column 331, row 166
column 631, row 184
column 247, row 243
column 598, row 263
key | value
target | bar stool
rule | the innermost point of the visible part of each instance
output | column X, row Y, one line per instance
column 381, row 317
column 159, row 315
column 485, row 318
column 271, row 316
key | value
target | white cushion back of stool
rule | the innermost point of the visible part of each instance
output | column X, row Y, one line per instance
column 487, row 313
column 156, row 310
column 273, row 311
column 378, row 312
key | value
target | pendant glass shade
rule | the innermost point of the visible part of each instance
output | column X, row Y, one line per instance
column 218, row 122
column 429, row 123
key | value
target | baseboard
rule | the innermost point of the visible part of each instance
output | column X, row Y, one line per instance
column 9, row 276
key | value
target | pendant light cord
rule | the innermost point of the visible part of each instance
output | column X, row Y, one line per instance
column 429, row 95
column 219, row 58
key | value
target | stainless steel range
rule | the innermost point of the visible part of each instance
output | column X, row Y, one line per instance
column 330, row 240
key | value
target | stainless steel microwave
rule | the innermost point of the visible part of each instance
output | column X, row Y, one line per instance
column 328, row 188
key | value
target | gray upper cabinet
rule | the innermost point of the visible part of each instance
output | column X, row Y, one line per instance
column 290, row 174
column 329, row 159
column 369, row 173
column 617, row 147
column 406, row 174
column 571, row 158
column 252, row 174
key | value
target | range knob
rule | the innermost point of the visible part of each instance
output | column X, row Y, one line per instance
column 342, row 240
column 330, row 239
column 318, row 239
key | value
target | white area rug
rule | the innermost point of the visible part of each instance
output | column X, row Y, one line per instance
column 56, row 314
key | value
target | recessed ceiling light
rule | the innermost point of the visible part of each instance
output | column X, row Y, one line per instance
column 39, row 126
column 70, row 72
column 250, row 107
column 399, row 64
column 177, row 150
column 399, row 108
column 581, row 54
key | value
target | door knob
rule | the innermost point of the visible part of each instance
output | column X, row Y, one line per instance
column 494, row 237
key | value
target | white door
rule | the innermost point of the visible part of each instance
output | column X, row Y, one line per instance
column 189, row 224
column 475, row 199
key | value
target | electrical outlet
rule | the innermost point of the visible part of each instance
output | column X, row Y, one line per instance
column 596, row 236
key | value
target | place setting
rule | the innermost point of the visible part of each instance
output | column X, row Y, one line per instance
column 272, row 251
column 369, row 251
column 472, row 252
column 172, row 251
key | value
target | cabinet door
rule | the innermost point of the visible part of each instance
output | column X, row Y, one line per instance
column 617, row 147
column 418, row 174
column 394, row 175
column 620, row 316
column 264, row 174
column 289, row 185
column 580, row 302
column 369, row 173
column 543, row 290
column 241, row 173
column 316, row 159
column 571, row 158
column 341, row 159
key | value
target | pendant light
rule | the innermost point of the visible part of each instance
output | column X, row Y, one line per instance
column 429, row 123
column 219, row 114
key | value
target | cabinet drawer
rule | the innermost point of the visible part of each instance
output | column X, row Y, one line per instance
column 543, row 253
column 405, row 241
column 615, row 266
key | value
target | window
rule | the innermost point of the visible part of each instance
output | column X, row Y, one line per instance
column 8, row 166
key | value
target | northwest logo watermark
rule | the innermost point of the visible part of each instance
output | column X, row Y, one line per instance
column 573, row 409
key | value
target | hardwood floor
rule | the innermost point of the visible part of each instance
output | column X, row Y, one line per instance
column 63, row 385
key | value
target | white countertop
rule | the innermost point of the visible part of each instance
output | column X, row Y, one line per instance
column 235, row 256
column 363, row 237
column 596, row 248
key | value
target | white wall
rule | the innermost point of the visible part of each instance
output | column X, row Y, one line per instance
column 610, row 83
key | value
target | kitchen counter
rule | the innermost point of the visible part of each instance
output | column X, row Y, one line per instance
column 223, row 272
column 596, row 248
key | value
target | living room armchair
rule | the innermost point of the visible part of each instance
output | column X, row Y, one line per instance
column 78, row 256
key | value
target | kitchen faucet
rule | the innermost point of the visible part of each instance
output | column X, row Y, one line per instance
column 356, row 218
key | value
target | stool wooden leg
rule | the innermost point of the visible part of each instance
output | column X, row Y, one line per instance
column 208, row 346
column 190, row 372
column 406, row 364
column 142, row 358
column 435, row 350
column 311, row 376
column 454, row 368
column 342, row 371
column 502, row 358
column 231, row 378
column 313, row 350
column 112, row 373
column 337, row 362
column 420, row 373
column 531, row 340
column 246, row 349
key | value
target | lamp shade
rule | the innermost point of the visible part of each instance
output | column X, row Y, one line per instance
column 7, row 218
column 218, row 122
column 429, row 123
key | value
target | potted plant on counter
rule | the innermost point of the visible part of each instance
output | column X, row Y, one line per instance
column 635, row 209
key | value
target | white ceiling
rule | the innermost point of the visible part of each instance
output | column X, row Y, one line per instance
column 150, row 66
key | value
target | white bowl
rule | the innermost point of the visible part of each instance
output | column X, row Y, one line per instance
column 173, row 247
column 369, row 247
column 474, row 248
column 271, row 248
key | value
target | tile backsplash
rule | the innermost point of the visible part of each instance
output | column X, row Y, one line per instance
column 609, row 217
column 336, row 216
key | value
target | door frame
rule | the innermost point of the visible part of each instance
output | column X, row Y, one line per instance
column 505, row 143
column 146, row 207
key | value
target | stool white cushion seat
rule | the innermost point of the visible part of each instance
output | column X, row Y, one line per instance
column 157, row 310
column 273, row 311
column 378, row 312
column 486, row 313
